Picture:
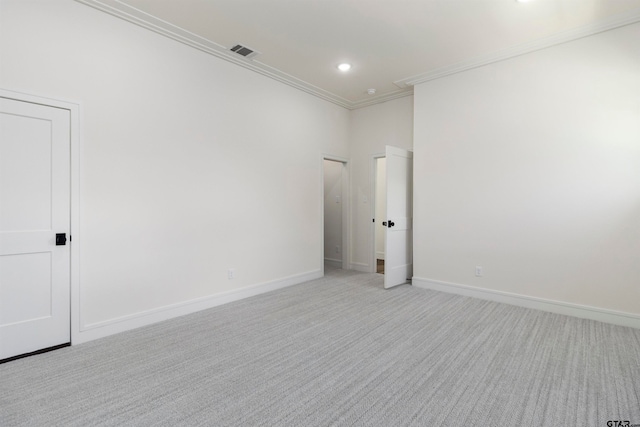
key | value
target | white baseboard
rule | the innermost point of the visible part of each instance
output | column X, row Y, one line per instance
column 336, row 263
column 559, row 307
column 359, row 266
column 97, row 330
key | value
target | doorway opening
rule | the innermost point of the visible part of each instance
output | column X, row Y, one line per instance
column 335, row 212
column 380, row 214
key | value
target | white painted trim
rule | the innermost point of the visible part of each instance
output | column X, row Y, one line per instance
column 75, row 110
column 150, row 22
column 157, row 25
column 556, row 39
column 335, row 158
column 174, row 32
column 335, row 263
column 97, row 330
column 379, row 255
column 559, row 307
column 389, row 96
column 360, row 266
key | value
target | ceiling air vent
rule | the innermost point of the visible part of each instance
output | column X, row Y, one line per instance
column 244, row 51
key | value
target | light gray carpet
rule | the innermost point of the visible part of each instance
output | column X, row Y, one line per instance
column 338, row 351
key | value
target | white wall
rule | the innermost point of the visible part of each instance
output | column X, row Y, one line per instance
column 389, row 123
column 530, row 167
column 333, row 211
column 190, row 165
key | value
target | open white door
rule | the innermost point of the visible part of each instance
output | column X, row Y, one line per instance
column 34, row 225
column 398, row 264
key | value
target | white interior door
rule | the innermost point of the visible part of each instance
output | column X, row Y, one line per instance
column 398, row 264
column 34, row 207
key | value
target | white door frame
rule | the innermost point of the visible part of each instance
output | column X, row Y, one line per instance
column 74, row 109
column 346, row 210
column 373, row 172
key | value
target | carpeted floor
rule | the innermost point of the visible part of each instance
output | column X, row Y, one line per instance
column 338, row 351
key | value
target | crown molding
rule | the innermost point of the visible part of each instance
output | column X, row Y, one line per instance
column 408, row 91
column 563, row 37
column 150, row 22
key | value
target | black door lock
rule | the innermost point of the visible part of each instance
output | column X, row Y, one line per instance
column 391, row 224
column 61, row 239
column 384, row 223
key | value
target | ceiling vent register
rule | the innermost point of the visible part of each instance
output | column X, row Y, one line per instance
column 244, row 51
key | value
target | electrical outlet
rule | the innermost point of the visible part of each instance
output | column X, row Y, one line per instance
column 231, row 273
column 337, row 249
column 478, row 271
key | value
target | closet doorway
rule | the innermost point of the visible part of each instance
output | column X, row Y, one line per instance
column 335, row 212
column 380, row 211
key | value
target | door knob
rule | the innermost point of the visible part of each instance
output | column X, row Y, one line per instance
column 61, row 239
column 384, row 223
column 391, row 224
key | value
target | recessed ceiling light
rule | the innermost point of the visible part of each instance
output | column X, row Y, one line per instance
column 344, row 67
